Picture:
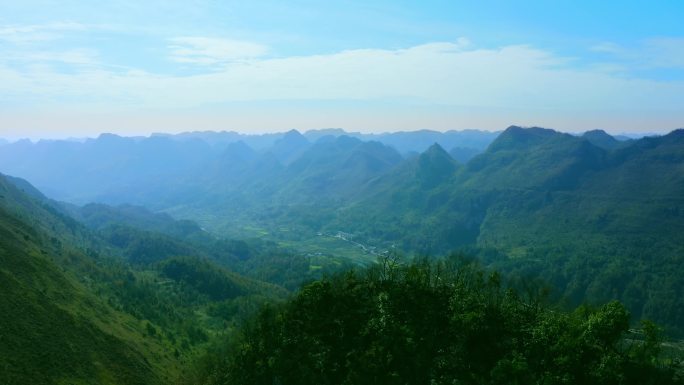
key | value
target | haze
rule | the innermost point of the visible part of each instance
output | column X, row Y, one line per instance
column 70, row 68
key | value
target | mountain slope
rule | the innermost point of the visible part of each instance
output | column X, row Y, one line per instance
column 74, row 311
column 598, row 224
column 335, row 169
column 435, row 166
column 289, row 147
column 82, row 172
column 53, row 330
column 600, row 138
column 596, row 219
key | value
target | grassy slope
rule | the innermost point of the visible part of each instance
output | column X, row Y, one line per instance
column 54, row 331
column 69, row 313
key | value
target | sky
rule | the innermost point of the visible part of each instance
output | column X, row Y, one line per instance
column 73, row 68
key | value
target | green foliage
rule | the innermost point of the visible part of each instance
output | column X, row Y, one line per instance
column 599, row 218
column 143, row 247
column 72, row 311
column 144, row 238
column 50, row 328
column 206, row 278
column 597, row 223
column 442, row 323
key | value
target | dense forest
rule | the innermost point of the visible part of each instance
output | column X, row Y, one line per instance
column 448, row 322
column 124, row 306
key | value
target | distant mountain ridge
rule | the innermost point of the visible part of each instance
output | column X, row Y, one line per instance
column 599, row 218
column 92, row 170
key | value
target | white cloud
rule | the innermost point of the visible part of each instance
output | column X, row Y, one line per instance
column 34, row 46
column 77, row 57
column 527, row 82
column 25, row 34
column 210, row 51
column 607, row 47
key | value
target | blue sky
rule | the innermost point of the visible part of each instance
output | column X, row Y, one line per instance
column 77, row 68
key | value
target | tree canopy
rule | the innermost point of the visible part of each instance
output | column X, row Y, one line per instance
column 447, row 322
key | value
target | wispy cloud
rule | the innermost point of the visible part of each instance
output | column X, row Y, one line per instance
column 24, row 34
column 211, row 51
column 75, row 57
column 650, row 53
column 441, row 73
column 58, row 44
column 524, row 82
column 665, row 52
column 607, row 47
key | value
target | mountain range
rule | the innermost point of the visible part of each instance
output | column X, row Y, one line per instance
column 595, row 216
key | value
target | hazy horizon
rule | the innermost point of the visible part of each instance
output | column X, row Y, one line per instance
column 95, row 135
column 76, row 69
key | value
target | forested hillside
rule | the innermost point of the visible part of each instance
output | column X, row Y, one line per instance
column 77, row 307
column 597, row 224
column 48, row 315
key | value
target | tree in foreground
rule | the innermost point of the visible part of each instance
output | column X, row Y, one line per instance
column 447, row 322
